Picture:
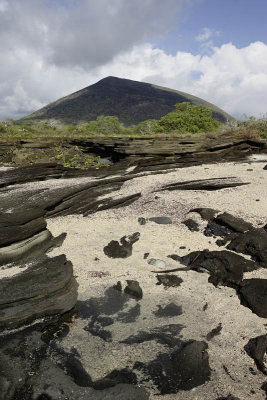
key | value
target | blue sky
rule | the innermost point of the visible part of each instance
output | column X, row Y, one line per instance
column 214, row 49
column 238, row 21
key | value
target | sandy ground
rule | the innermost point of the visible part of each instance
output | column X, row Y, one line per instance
column 86, row 237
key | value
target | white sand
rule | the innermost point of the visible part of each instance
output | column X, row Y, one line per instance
column 84, row 244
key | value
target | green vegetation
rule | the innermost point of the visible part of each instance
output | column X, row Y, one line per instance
column 186, row 119
column 252, row 127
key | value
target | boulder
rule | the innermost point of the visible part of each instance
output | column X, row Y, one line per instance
column 253, row 243
column 253, row 293
column 257, row 349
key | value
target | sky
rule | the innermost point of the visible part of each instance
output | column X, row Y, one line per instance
column 213, row 49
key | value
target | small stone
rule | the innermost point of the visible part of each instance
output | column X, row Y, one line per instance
column 161, row 220
column 142, row 221
column 118, row 286
column 133, row 289
column 158, row 263
column 169, row 280
column 191, row 225
column 146, row 255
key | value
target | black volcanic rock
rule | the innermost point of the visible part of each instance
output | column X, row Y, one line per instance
column 253, row 294
column 224, row 267
column 161, row 220
column 253, row 243
column 205, row 213
column 169, row 280
column 191, row 225
column 233, row 223
column 215, row 229
column 131, row 101
column 257, row 349
column 205, row 184
column 133, row 289
column 123, row 249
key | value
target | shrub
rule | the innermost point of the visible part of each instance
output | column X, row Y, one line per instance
column 188, row 118
column 104, row 125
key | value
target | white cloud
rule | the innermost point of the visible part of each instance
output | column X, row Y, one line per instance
column 205, row 34
column 232, row 78
column 3, row 6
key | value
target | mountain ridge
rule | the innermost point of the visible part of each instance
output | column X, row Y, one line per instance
column 131, row 101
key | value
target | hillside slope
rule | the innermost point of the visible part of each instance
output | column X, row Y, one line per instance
column 131, row 101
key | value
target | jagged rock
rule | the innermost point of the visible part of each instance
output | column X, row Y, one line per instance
column 223, row 266
column 133, row 289
column 205, row 213
column 36, row 172
column 214, row 229
column 253, row 294
column 161, row 220
column 116, row 250
column 205, row 184
column 191, row 225
column 78, row 199
column 257, row 349
column 253, row 243
column 47, row 287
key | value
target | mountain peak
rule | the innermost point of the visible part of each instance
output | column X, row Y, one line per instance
column 131, row 101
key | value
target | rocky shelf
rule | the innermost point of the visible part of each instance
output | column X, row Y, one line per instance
column 129, row 329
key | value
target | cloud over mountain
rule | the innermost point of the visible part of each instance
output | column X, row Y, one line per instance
column 52, row 48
